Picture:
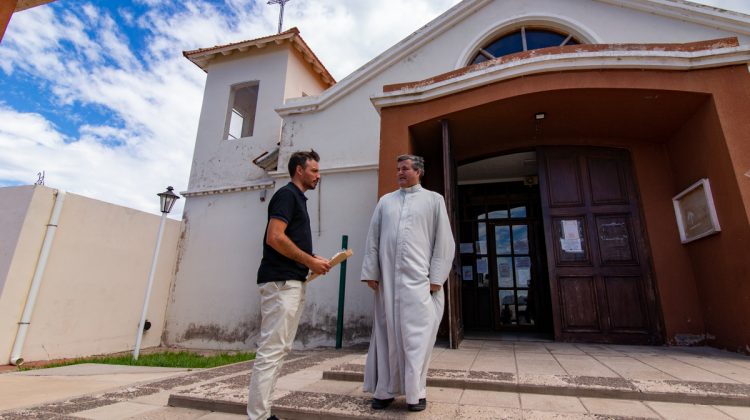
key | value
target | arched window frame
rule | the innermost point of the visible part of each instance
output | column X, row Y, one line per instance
column 482, row 50
column 581, row 31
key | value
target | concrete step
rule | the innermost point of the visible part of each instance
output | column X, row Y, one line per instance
column 328, row 385
column 452, row 403
column 687, row 392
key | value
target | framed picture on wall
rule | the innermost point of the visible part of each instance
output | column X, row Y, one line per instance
column 695, row 212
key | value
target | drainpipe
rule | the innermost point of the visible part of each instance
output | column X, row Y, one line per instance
column 36, row 282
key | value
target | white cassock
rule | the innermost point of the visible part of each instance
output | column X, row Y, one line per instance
column 409, row 246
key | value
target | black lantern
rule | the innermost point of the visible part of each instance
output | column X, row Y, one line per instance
column 168, row 199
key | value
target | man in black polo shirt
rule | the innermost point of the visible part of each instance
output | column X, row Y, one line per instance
column 287, row 259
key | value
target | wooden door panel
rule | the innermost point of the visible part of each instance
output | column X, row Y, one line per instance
column 627, row 309
column 564, row 182
column 615, row 238
column 597, row 254
column 578, row 300
column 607, row 181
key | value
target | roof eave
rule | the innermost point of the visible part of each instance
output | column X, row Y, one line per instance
column 654, row 59
column 203, row 56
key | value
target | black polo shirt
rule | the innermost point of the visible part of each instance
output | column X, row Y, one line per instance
column 288, row 204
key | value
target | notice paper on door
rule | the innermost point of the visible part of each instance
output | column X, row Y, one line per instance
column 571, row 240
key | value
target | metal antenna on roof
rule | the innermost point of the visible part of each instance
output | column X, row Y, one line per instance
column 281, row 12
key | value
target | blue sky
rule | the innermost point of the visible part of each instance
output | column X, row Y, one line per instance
column 98, row 95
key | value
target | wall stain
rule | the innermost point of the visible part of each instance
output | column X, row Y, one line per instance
column 324, row 329
column 215, row 332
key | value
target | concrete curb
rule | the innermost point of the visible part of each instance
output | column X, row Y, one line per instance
column 572, row 391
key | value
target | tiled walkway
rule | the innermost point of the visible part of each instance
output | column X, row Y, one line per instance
column 482, row 379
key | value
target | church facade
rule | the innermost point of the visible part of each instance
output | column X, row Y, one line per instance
column 593, row 156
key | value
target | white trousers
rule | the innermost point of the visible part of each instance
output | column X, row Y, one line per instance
column 281, row 304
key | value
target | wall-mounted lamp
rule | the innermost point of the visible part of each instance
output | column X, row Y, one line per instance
column 540, row 115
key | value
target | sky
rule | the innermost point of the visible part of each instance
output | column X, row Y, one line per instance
column 98, row 96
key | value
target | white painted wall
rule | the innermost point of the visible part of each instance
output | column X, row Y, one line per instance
column 92, row 291
column 218, row 162
column 222, row 249
column 214, row 303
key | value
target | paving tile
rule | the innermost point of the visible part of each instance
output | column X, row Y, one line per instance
column 612, row 407
column 495, row 362
column 122, row 410
column 472, row 344
column 599, row 350
column 171, row 413
column 717, row 366
column 294, row 384
column 539, row 366
column 563, row 348
column 444, row 395
column 630, row 368
column 681, row 370
column 687, row 411
column 223, row 416
column 551, row 403
column 479, row 412
column 738, row 413
column 490, row 398
column 584, row 366
column 550, row 415
column 530, row 348
column 332, row 387
column 497, row 345
column 159, row 399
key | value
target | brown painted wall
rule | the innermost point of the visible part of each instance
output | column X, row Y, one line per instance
column 6, row 11
column 661, row 173
column 720, row 262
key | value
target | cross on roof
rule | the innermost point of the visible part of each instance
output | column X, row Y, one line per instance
column 281, row 12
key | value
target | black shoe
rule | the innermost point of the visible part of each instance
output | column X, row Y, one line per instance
column 378, row 404
column 421, row 405
column 273, row 417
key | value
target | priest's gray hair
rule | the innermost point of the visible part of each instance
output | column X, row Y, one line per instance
column 417, row 163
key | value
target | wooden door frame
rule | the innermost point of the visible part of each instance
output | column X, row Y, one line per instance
column 453, row 289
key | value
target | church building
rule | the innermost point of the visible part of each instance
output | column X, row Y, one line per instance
column 594, row 156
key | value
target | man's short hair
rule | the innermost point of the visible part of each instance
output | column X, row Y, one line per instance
column 417, row 163
column 300, row 159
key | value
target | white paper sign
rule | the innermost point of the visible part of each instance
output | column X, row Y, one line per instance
column 571, row 240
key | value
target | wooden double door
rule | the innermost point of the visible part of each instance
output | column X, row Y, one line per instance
column 569, row 256
column 597, row 254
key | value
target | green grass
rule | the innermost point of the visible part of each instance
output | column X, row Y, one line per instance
column 183, row 359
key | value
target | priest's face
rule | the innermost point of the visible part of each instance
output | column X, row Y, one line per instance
column 407, row 176
column 309, row 176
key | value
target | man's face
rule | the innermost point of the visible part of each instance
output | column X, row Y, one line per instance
column 310, row 175
column 407, row 176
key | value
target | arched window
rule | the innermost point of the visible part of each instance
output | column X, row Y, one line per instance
column 523, row 39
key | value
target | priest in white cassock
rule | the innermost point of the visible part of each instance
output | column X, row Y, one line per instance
column 408, row 256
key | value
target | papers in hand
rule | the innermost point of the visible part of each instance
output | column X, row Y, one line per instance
column 335, row 260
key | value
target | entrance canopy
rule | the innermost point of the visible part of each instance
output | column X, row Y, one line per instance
column 677, row 113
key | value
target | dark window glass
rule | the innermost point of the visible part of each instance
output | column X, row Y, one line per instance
column 513, row 43
column 536, row 39
column 508, row 44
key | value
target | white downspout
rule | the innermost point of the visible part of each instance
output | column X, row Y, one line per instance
column 36, row 282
